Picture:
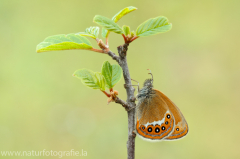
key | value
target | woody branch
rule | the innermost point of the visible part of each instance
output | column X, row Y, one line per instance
column 122, row 50
column 130, row 103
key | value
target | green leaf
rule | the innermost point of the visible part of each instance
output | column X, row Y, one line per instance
column 105, row 32
column 153, row 26
column 132, row 33
column 107, row 73
column 123, row 12
column 90, row 32
column 116, row 74
column 64, row 42
column 86, row 34
column 101, row 81
column 126, row 30
column 94, row 80
column 117, row 17
column 107, row 24
column 112, row 74
column 93, row 31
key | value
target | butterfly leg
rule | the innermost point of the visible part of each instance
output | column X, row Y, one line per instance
column 134, row 133
column 126, row 85
column 136, row 85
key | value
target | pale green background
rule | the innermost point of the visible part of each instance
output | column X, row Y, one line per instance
column 196, row 64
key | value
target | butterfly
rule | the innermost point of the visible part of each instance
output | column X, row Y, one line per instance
column 157, row 117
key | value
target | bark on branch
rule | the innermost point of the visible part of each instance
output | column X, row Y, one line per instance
column 123, row 103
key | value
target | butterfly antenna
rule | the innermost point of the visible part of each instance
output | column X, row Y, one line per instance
column 150, row 74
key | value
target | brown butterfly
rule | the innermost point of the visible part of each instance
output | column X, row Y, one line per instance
column 157, row 117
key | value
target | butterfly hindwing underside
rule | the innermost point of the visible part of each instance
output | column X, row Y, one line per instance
column 158, row 118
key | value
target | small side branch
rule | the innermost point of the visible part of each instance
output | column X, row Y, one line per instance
column 123, row 103
column 114, row 56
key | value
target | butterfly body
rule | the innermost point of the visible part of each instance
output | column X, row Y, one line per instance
column 157, row 117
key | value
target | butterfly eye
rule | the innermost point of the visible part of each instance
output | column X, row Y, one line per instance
column 166, row 122
column 168, row 116
column 143, row 127
column 177, row 129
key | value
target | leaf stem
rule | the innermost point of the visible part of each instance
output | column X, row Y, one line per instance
column 107, row 40
column 98, row 50
column 107, row 94
column 134, row 38
column 125, row 38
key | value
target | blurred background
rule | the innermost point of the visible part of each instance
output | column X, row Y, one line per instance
column 196, row 64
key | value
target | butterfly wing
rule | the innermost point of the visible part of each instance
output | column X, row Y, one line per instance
column 154, row 119
column 181, row 126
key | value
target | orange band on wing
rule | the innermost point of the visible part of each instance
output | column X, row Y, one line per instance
column 178, row 134
column 153, row 135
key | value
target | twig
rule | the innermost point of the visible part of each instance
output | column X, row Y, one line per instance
column 114, row 98
column 114, row 56
column 123, row 103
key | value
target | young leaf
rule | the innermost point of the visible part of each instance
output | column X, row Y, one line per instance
column 132, row 33
column 94, row 80
column 123, row 12
column 64, row 42
column 107, row 73
column 116, row 74
column 126, row 30
column 93, row 30
column 101, row 81
column 105, row 32
column 107, row 24
column 86, row 34
column 112, row 74
column 117, row 17
column 154, row 26
column 90, row 32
